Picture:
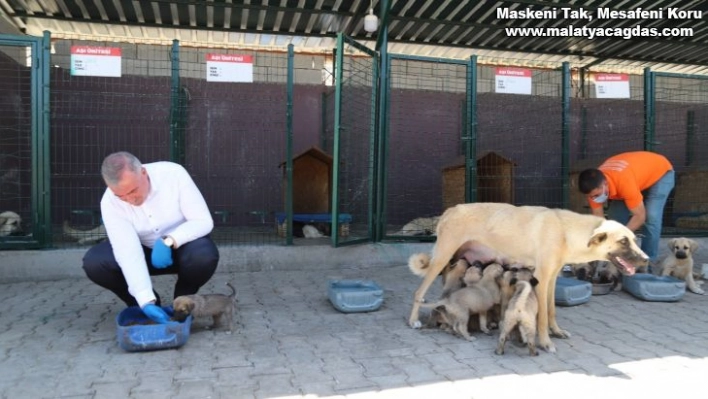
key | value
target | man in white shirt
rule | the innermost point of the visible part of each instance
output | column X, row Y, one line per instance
column 157, row 223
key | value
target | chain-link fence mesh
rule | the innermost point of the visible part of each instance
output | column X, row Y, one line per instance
column 681, row 133
column 15, row 142
column 93, row 116
column 354, row 141
column 519, row 147
column 425, row 166
column 230, row 136
column 601, row 127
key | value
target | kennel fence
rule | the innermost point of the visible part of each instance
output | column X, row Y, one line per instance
column 163, row 108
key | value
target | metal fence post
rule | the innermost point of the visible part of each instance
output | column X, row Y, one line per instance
column 289, row 147
column 565, row 132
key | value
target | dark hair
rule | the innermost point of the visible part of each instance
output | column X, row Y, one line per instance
column 590, row 179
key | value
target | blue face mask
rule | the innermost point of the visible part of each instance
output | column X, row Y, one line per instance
column 600, row 199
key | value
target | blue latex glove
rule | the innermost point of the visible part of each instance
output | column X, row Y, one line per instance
column 161, row 255
column 156, row 314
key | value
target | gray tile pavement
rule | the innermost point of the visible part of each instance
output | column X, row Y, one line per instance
column 57, row 340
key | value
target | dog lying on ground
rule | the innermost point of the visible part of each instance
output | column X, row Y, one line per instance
column 477, row 298
column 521, row 315
column 93, row 235
column 10, row 223
column 419, row 227
column 216, row 306
column 679, row 263
column 532, row 235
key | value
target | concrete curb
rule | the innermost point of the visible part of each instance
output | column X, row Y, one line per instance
column 48, row 265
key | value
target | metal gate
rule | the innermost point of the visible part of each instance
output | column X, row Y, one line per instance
column 354, row 142
column 24, row 139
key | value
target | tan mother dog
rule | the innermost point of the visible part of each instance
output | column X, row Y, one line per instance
column 532, row 235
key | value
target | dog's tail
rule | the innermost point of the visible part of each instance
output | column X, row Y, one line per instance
column 419, row 263
column 233, row 290
column 523, row 290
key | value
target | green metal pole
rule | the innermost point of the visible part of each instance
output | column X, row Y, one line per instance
column 45, row 132
column 649, row 111
column 565, row 133
column 381, row 181
column 470, row 139
column 289, row 146
column 175, row 105
column 339, row 60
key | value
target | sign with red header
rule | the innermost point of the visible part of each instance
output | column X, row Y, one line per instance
column 512, row 80
column 229, row 68
column 96, row 61
column 612, row 85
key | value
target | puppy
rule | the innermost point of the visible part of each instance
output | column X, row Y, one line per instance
column 419, row 227
column 583, row 271
column 94, row 235
column 679, row 263
column 477, row 298
column 10, row 223
column 515, row 272
column 520, row 314
column 217, row 306
column 606, row 272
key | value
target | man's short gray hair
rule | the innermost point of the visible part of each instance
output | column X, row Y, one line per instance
column 114, row 165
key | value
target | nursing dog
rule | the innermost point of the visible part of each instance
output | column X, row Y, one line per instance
column 10, row 223
column 679, row 263
column 532, row 235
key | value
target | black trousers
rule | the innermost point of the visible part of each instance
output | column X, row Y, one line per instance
column 194, row 263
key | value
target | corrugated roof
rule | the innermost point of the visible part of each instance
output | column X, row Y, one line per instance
column 675, row 33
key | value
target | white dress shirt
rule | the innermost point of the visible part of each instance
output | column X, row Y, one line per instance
column 174, row 206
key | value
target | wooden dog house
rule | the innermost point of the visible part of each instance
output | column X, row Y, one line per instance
column 495, row 180
column 312, row 182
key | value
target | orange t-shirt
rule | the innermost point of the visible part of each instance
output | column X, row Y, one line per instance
column 629, row 173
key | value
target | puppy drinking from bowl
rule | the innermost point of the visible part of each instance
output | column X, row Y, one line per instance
column 216, row 306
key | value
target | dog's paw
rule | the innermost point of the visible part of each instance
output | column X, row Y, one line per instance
column 415, row 324
column 547, row 346
column 560, row 333
column 698, row 291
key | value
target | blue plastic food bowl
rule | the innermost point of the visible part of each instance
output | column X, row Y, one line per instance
column 653, row 288
column 572, row 292
column 350, row 296
column 136, row 332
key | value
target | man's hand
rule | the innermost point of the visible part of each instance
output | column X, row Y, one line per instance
column 161, row 255
column 156, row 314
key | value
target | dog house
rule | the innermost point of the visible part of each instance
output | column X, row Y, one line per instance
column 312, row 191
column 312, row 182
column 495, row 180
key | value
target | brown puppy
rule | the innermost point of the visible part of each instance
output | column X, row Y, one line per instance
column 477, row 298
column 213, row 305
column 679, row 263
column 520, row 314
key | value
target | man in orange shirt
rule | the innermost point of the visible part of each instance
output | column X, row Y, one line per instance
column 637, row 185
